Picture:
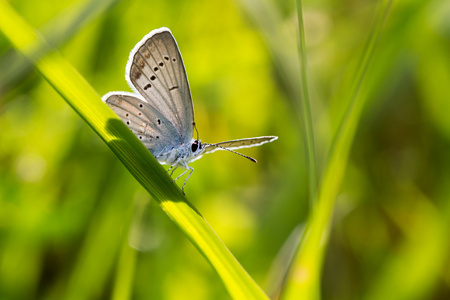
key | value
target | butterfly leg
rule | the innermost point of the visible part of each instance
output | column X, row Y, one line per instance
column 161, row 152
column 174, row 165
column 173, row 171
column 180, row 175
column 190, row 173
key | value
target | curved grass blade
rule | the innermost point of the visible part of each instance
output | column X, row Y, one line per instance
column 138, row 160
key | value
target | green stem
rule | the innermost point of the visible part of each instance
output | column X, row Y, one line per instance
column 304, row 279
column 308, row 131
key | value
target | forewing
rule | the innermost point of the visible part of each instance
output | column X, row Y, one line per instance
column 155, row 131
column 156, row 71
column 238, row 144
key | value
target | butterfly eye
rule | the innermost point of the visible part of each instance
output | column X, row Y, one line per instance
column 194, row 146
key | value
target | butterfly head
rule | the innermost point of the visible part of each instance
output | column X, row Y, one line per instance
column 197, row 148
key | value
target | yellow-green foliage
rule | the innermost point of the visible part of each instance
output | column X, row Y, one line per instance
column 76, row 224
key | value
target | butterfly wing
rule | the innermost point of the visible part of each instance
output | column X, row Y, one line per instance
column 147, row 123
column 156, row 71
column 238, row 144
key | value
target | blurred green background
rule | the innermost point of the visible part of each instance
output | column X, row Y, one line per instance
column 69, row 210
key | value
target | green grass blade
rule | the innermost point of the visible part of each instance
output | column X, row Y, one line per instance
column 304, row 279
column 125, row 272
column 308, row 132
column 138, row 160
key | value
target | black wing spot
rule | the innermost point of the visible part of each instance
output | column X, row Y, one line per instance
column 140, row 137
column 161, row 64
column 155, row 69
column 153, row 77
column 141, row 105
column 159, row 122
column 174, row 59
column 126, row 115
column 157, row 136
column 166, row 57
column 128, row 122
column 147, row 86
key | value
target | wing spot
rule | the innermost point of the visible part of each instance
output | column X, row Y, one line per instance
column 139, row 114
column 141, row 105
column 147, row 87
column 137, row 74
column 174, row 59
column 159, row 122
column 126, row 115
column 141, row 64
column 128, row 122
column 140, row 137
column 161, row 64
column 166, row 57
column 157, row 136
column 155, row 69
column 153, row 77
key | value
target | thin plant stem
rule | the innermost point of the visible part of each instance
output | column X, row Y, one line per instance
column 304, row 277
column 308, row 129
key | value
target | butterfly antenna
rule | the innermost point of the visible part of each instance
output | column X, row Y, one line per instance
column 195, row 127
column 248, row 157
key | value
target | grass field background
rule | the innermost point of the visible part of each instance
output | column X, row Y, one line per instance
column 74, row 224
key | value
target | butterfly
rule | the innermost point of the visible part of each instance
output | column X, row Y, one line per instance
column 160, row 112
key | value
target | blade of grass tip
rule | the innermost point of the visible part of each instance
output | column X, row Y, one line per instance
column 308, row 129
column 135, row 157
column 304, row 278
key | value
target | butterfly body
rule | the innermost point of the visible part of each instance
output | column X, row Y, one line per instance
column 160, row 112
column 181, row 155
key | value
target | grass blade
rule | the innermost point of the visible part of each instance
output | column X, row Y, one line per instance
column 138, row 160
column 308, row 132
column 304, row 279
